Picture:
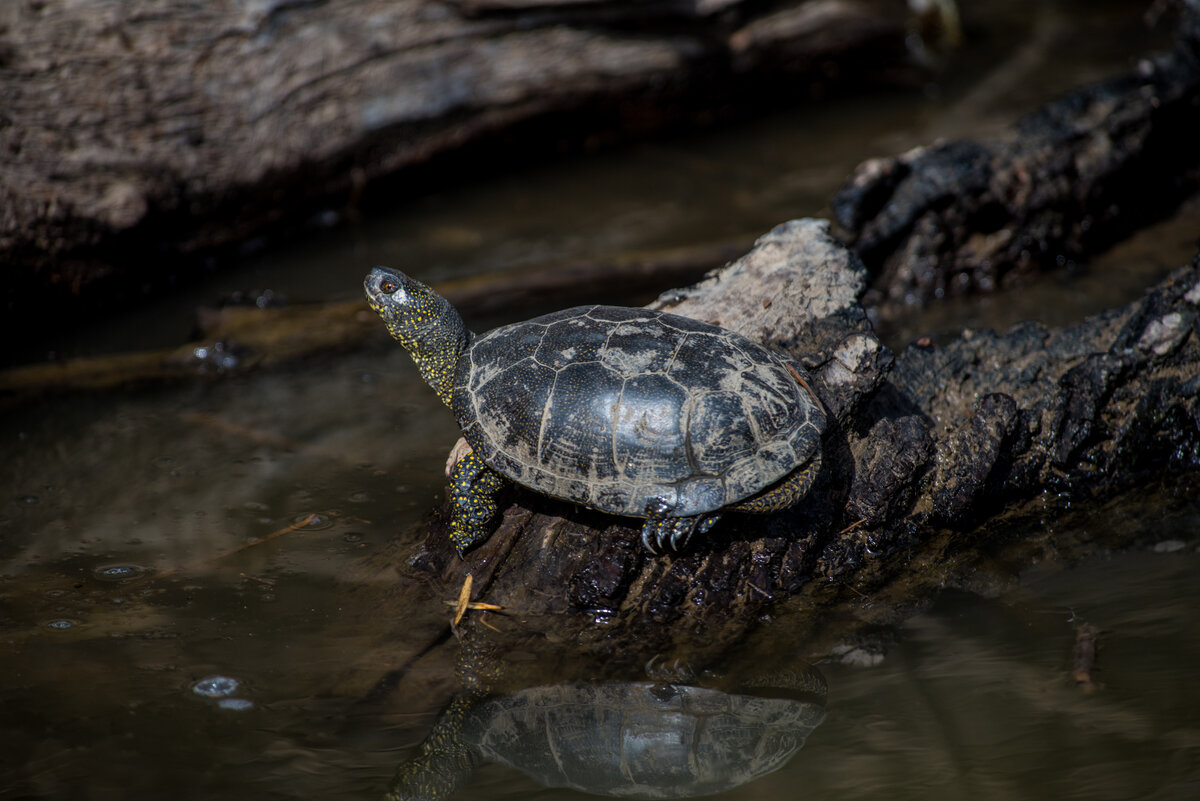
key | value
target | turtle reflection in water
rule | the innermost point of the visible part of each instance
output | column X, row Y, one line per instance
column 635, row 739
column 632, row 412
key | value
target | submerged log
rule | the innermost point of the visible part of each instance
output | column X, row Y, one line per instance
column 928, row 444
column 236, row 339
column 1068, row 181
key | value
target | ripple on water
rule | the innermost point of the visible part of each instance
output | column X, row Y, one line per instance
column 317, row 521
column 62, row 623
column 119, row 572
column 216, row 686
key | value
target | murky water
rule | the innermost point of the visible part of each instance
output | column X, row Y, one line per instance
column 157, row 541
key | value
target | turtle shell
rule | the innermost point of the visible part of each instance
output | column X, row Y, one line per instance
column 633, row 411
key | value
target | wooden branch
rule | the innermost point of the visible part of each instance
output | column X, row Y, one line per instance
column 939, row 438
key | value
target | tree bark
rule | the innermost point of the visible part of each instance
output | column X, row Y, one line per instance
column 145, row 136
column 927, row 445
column 1068, row 181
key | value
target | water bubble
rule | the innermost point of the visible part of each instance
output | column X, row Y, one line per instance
column 119, row 572
column 352, row 536
column 318, row 521
column 216, row 686
column 220, row 356
column 62, row 623
column 28, row 499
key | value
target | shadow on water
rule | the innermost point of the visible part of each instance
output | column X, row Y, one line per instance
column 156, row 544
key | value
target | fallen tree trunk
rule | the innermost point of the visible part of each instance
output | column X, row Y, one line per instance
column 143, row 137
column 926, row 445
column 1068, row 181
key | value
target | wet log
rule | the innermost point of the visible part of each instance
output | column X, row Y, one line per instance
column 1066, row 182
column 922, row 447
column 143, row 138
column 240, row 338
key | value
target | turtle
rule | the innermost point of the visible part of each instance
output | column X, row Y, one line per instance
column 629, row 411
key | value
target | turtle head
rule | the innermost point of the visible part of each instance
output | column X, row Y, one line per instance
column 423, row 322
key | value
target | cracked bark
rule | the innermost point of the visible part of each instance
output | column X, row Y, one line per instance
column 1066, row 182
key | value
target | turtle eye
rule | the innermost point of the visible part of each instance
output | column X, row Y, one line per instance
column 388, row 285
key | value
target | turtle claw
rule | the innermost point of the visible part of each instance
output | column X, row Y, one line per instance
column 685, row 527
column 658, row 534
column 674, row 533
column 649, row 537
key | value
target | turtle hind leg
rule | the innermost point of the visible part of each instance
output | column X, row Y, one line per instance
column 783, row 494
column 673, row 533
column 473, row 490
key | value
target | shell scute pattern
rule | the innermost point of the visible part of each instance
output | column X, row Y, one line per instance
column 570, row 341
column 649, row 440
column 704, row 492
column 626, row 409
column 642, row 347
column 719, row 433
column 579, row 412
column 489, row 356
column 525, row 383
column 706, row 357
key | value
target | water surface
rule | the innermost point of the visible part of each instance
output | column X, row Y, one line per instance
column 153, row 538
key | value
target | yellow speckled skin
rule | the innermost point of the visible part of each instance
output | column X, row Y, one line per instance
column 442, row 762
column 445, row 760
column 423, row 322
column 785, row 494
column 434, row 335
column 473, row 487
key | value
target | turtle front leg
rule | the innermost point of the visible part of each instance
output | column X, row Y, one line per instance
column 673, row 533
column 473, row 489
